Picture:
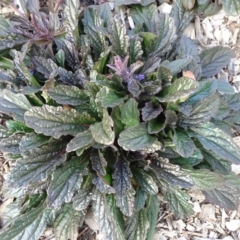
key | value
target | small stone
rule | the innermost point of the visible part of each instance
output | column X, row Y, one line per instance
column 190, row 228
column 233, row 225
column 208, row 212
column 227, row 238
column 48, row 232
column 180, row 225
column 165, row 8
column 196, row 207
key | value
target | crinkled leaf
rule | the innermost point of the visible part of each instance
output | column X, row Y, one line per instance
column 81, row 140
column 109, row 98
column 214, row 59
column 11, row 144
column 60, row 58
column 116, row 116
column 107, row 218
column 184, row 145
column 8, row 76
column 150, row 111
column 47, row 67
column 205, row 179
column 102, row 132
column 69, row 95
column 31, row 141
column 137, row 226
column 150, row 65
column 170, row 173
column 65, row 181
column 84, row 196
column 231, row 7
column 98, row 161
column 136, row 138
column 181, row 89
column 67, row 223
column 178, row 65
column 152, row 215
column 178, row 202
column 29, row 225
column 126, row 204
column 145, row 181
column 216, row 140
column 130, row 113
column 120, row 39
column 135, row 50
column 223, row 111
column 71, row 14
column 15, row 104
column 121, row 176
column 140, row 199
column 233, row 101
column 166, row 35
column 102, row 185
column 57, row 121
column 4, row 132
column 35, row 164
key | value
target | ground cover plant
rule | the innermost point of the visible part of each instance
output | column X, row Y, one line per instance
column 101, row 117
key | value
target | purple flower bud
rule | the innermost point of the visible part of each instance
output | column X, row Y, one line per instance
column 140, row 77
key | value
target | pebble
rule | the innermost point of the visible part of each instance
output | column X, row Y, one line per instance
column 233, row 225
column 227, row 238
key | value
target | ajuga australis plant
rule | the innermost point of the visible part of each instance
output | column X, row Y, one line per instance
column 110, row 114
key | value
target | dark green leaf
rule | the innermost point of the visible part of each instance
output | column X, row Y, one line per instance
column 142, row 2
column 71, row 14
column 181, row 89
column 46, row 67
column 69, row 95
column 170, row 173
column 184, row 145
column 120, row 39
column 60, row 58
column 102, row 185
column 130, row 113
column 136, row 138
column 101, row 63
column 57, row 121
column 150, row 111
column 4, row 132
column 31, row 141
column 107, row 218
column 102, row 132
column 216, row 140
column 137, row 226
column 155, row 126
column 178, row 202
column 17, row 127
column 141, row 197
column 177, row 65
column 109, row 98
column 233, row 101
column 214, row 59
column 225, row 87
column 35, row 164
column 231, row 7
column 135, row 50
column 98, row 161
column 126, row 204
column 67, row 223
column 145, row 181
column 8, row 76
column 65, row 181
column 84, row 196
column 11, row 144
column 81, row 141
column 116, row 116
column 122, row 177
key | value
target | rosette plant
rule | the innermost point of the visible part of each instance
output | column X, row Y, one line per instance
column 105, row 117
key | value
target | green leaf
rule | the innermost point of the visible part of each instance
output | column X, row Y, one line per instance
column 120, row 39
column 35, row 164
column 98, row 161
column 214, row 59
column 231, row 7
column 178, row 202
column 60, row 58
column 205, row 179
column 136, row 138
column 145, row 181
column 101, row 184
column 84, row 196
column 142, row 2
column 109, row 98
column 31, row 141
column 140, row 199
column 4, row 132
column 216, row 140
column 177, row 65
column 232, row 100
column 130, row 113
column 126, row 204
column 11, row 144
column 226, row 196
column 102, row 131
column 184, row 145
column 57, row 121
column 17, row 127
column 137, row 226
column 150, row 111
column 155, row 126
column 170, row 173
column 101, row 63
column 121, row 176
column 81, row 141
column 71, row 14
column 135, row 50
column 107, row 218
column 69, row 95
column 47, row 67
column 152, row 215
column 225, row 87
column 116, row 116
column 65, row 181
column 15, row 104
column 181, row 89
column 8, row 76
column 29, row 225
column 67, row 223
